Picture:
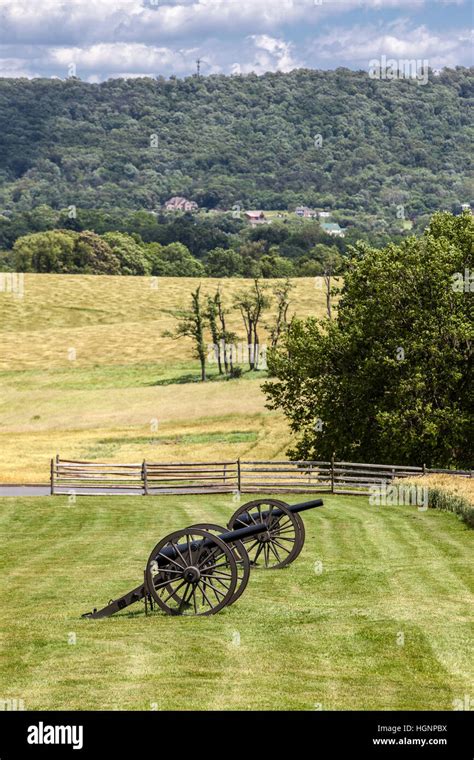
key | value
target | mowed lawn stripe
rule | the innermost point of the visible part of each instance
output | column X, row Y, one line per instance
column 361, row 562
column 384, row 623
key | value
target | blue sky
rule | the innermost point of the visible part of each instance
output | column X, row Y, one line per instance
column 98, row 39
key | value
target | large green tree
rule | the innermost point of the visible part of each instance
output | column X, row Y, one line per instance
column 93, row 255
column 130, row 254
column 65, row 251
column 45, row 252
column 391, row 379
column 224, row 263
column 173, row 260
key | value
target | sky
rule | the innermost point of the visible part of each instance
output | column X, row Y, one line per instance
column 99, row 39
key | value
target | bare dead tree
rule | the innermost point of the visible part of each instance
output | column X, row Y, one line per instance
column 191, row 325
column 212, row 314
column 331, row 265
column 226, row 337
column 327, row 284
column 282, row 293
column 252, row 304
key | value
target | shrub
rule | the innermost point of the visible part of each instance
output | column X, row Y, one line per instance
column 64, row 252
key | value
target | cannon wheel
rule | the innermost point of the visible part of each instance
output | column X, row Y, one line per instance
column 283, row 541
column 201, row 578
column 240, row 554
column 298, row 520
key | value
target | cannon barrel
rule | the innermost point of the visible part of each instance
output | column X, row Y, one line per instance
column 304, row 505
column 295, row 508
column 240, row 534
column 228, row 537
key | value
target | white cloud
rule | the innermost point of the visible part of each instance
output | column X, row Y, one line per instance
column 15, row 67
column 26, row 21
column 77, row 21
column 362, row 44
column 145, row 37
column 126, row 59
column 271, row 54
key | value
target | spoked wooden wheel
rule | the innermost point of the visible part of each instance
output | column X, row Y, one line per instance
column 191, row 572
column 281, row 543
column 240, row 555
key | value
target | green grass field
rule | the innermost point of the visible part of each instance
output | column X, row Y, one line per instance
column 385, row 625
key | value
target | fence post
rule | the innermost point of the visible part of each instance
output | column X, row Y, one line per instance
column 225, row 474
column 424, row 468
column 145, row 478
column 52, row 476
column 238, row 476
column 332, row 474
column 56, row 469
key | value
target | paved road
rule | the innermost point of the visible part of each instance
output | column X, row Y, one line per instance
column 24, row 490
column 37, row 490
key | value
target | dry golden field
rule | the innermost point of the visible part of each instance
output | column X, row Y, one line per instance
column 463, row 487
column 86, row 371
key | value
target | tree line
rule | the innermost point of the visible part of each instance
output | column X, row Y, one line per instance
column 250, row 254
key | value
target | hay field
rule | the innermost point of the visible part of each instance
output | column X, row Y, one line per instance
column 463, row 487
column 86, row 371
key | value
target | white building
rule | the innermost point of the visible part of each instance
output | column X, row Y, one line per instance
column 333, row 229
column 178, row 203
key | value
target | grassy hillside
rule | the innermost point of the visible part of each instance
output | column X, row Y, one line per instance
column 385, row 625
column 129, row 393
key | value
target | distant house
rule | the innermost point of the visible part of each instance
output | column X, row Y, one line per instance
column 304, row 211
column 178, row 203
column 256, row 217
column 332, row 228
column 324, row 214
column 466, row 207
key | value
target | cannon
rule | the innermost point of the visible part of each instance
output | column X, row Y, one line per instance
column 203, row 568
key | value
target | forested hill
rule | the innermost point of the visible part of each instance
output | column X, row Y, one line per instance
column 238, row 140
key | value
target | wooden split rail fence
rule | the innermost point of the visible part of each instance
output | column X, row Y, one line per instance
column 239, row 476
